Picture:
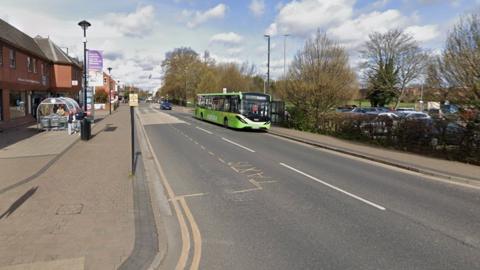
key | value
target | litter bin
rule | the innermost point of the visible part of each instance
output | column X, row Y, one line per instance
column 85, row 130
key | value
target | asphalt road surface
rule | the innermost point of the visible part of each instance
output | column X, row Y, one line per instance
column 262, row 202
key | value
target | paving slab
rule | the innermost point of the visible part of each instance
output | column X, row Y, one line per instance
column 81, row 206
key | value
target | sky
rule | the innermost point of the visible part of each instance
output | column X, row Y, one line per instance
column 135, row 35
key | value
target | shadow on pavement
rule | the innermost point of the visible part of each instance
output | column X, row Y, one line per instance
column 135, row 161
column 14, row 135
column 15, row 205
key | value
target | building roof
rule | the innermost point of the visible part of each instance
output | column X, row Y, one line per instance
column 18, row 39
column 54, row 53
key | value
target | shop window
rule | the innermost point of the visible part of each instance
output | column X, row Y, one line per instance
column 13, row 58
column 29, row 64
column 1, row 105
column 17, row 104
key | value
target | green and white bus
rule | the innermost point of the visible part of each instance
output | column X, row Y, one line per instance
column 235, row 110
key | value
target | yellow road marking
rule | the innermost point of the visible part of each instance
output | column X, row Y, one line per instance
column 185, row 234
column 197, row 237
column 178, row 197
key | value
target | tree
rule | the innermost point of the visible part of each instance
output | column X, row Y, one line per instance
column 320, row 78
column 461, row 57
column 392, row 61
column 186, row 74
column 181, row 74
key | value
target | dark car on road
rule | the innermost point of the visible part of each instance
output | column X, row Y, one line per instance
column 165, row 105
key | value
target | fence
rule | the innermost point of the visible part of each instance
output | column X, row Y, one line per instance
column 434, row 137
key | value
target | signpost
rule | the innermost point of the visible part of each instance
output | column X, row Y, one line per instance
column 133, row 102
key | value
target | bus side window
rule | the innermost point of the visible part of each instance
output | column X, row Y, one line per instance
column 208, row 102
column 234, row 101
column 226, row 106
column 220, row 104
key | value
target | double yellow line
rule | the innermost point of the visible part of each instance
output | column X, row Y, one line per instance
column 184, row 217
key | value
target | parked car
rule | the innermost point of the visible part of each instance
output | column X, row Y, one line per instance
column 390, row 115
column 370, row 110
column 405, row 109
column 417, row 116
column 404, row 114
column 165, row 105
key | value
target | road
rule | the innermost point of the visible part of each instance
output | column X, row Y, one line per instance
column 255, row 201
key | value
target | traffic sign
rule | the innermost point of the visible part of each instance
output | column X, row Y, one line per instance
column 133, row 100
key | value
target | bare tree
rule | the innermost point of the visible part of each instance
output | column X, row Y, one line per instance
column 320, row 77
column 462, row 56
column 399, row 51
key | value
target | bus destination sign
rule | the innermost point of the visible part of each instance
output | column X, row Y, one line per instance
column 255, row 97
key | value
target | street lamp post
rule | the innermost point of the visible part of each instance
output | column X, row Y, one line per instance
column 284, row 62
column 284, row 54
column 268, row 64
column 110, row 88
column 118, row 91
column 84, row 24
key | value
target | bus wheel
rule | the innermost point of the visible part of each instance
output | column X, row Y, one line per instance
column 225, row 122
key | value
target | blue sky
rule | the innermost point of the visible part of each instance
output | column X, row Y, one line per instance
column 135, row 35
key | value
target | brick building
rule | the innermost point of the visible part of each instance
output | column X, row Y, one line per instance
column 31, row 70
column 66, row 77
column 109, row 84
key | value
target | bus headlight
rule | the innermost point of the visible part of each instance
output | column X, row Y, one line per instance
column 240, row 119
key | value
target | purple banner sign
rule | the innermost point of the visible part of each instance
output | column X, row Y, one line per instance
column 95, row 61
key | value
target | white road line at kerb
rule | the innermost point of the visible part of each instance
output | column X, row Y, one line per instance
column 204, row 130
column 335, row 188
column 239, row 145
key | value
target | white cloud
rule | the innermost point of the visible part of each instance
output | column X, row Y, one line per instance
column 223, row 59
column 229, row 38
column 235, row 50
column 301, row 17
column 135, row 24
column 257, row 7
column 353, row 32
column 199, row 17
column 423, row 33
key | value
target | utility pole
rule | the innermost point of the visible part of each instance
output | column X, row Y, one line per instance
column 285, row 62
column 110, row 89
column 421, row 98
column 285, row 54
column 268, row 65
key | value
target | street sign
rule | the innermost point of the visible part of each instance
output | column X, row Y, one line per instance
column 133, row 100
column 95, row 67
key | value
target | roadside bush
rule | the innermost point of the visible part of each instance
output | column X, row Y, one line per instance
column 436, row 137
column 101, row 97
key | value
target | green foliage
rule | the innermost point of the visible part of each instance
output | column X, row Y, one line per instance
column 381, row 90
column 101, row 97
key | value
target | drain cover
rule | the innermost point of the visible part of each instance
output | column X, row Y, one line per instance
column 70, row 209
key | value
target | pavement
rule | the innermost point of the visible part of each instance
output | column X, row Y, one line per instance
column 253, row 200
column 72, row 204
